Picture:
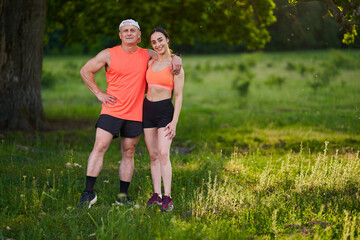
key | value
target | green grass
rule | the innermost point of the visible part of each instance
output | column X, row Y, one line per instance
column 276, row 137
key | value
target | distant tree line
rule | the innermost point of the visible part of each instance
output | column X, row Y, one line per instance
column 93, row 25
column 302, row 26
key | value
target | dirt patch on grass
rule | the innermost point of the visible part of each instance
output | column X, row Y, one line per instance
column 68, row 125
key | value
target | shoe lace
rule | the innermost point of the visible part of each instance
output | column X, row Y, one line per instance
column 166, row 200
column 85, row 194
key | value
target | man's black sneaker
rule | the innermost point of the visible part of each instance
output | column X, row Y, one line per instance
column 123, row 199
column 87, row 199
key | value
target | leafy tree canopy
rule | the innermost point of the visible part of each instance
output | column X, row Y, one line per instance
column 234, row 21
column 240, row 22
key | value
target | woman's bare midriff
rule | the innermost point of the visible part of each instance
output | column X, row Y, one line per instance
column 155, row 94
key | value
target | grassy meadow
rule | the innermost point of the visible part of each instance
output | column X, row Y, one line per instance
column 267, row 147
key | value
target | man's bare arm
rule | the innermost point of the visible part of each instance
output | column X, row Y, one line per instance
column 176, row 64
column 152, row 54
column 87, row 74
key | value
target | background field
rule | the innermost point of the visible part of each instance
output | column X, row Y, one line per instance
column 267, row 146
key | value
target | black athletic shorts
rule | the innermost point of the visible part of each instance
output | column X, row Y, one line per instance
column 157, row 114
column 114, row 125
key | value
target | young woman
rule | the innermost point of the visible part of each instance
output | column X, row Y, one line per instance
column 161, row 116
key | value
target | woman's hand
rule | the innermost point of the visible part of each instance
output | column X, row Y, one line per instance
column 170, row 130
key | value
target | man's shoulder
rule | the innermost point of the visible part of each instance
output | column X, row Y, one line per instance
column 115, row 48
column 144, row 52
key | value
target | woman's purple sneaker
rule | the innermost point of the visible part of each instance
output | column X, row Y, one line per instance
column 155, row 199
column 167, row 204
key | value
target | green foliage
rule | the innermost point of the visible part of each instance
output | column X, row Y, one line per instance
column 327, row 71
column 241, row 82
column 290, row 66
column 321, row 79
column 186, row 21
column 301, row 68
column 48, row 79
column 215, row 26
column 275, row 80
column 349, row 37
column 340, row 60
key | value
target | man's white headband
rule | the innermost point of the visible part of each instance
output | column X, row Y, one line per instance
column 128, row 22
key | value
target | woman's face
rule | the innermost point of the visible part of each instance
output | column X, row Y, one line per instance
column 159, row 42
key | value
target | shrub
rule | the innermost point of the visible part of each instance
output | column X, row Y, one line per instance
column 243, row 67
column 301, row 68
column 194, row 76
column 48, row 79
column 342, row 61
column 275, row 80
column 269, row 64
column 242, row 80
column 290, row 66
column 242, row 83
column 323, row 78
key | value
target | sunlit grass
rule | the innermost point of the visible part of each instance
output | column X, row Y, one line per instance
column 280, row 161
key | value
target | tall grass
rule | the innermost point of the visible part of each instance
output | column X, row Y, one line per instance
column 281, row 161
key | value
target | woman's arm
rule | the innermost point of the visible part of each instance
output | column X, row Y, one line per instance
column 178, row 93
column 176, row 65
column 152, row 54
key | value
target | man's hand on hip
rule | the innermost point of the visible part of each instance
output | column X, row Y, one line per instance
column 106, row 98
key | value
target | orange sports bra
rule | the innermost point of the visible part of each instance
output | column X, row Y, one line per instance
column 162, row 79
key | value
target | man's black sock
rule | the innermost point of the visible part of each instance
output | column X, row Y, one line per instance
column 90, row 182
column 124, row 186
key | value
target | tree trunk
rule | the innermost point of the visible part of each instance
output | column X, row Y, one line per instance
column 22, row 24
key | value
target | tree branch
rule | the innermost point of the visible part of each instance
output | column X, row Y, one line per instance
column 255, row 12
column 339, row 16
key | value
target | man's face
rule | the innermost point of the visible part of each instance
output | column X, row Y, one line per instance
column 129, row 34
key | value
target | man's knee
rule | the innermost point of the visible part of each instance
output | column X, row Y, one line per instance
column 128, row 152
column 101, row 147
column 128, row 146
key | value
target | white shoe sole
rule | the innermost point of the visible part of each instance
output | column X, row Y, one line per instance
column 92, row 202
column 168, row 210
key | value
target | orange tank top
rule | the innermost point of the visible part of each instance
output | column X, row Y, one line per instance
column 162, row 79
column 126, row 81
